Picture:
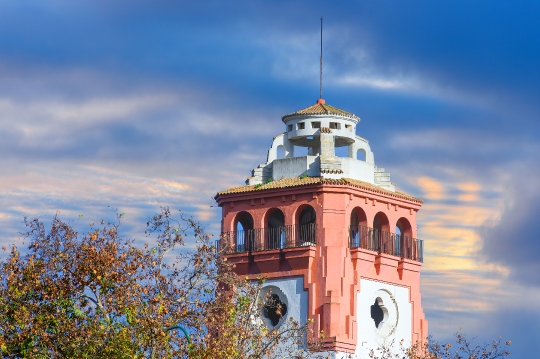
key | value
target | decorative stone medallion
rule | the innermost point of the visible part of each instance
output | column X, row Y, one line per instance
column 274, row 311
column 384, row 313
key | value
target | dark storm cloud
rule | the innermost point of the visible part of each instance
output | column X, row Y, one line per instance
column 514, row 240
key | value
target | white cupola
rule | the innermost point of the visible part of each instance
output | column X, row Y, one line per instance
column 321, row 128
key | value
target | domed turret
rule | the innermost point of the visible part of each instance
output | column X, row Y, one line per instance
column 321, row 128
column 303, row 126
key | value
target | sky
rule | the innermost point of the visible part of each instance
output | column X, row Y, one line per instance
column 133, row 105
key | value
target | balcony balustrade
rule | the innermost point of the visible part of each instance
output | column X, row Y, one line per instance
column 301, row 235
column 386, row 242
column 265, row 239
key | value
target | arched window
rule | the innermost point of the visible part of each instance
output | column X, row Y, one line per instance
column 403, row 227
column 404, row 242
column 306, row 229
column 381, row 237
column 275, row 229
column 358, row 229
column 307, row 215
column 380, row 222
column 244, row 237
column 280, row 152
column 361, row 155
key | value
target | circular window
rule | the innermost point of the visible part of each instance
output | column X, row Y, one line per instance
column 274, row 310
column 384, row 313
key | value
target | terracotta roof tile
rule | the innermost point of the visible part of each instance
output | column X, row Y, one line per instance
column 297, row 181
column 321, row 109
column 325, row 130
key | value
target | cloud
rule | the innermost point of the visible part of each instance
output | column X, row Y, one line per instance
column 513, row 240
column 481, row 259
column 132, row 149
column 459, row 142
column 507, row 310
column 135, row 105
column 431, row 188
column 90, row 190
column 117, row 123
column 379, row 82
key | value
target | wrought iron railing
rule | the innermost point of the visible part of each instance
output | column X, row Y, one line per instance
column 385, row 242
column 300, row 235
column 265, row 239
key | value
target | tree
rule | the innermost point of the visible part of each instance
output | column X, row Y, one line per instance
column 99, row 295
column 464, row 349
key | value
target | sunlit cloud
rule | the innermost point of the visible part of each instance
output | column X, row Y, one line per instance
column 431, row 188
column 455, row 278
column 106, row 115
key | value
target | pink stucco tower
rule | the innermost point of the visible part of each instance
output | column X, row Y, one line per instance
column 336, row 240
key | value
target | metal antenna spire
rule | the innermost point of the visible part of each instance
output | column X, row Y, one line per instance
column 320, row 91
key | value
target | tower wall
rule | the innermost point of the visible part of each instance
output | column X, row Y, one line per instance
column 338, row 279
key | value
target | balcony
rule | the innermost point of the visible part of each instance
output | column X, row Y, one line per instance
column 266, row 239
column 385, row 242
column 303, row 235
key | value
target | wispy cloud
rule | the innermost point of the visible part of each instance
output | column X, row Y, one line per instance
column 137, row 105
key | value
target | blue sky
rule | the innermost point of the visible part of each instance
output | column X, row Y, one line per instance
column 134, row 104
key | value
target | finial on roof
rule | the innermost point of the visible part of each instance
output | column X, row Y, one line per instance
column 321, row 101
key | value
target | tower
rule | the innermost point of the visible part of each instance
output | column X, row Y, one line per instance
column 335, row 239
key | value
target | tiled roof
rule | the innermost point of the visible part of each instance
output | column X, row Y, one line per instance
column 325, row 130
column 321, row 108
column 297, row 181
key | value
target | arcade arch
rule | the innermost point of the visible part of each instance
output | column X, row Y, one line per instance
column 381, row 223
column 306, row 228
column 403, row 227
column 382, row 240
column 275, row 236
column 244, row 238
column 358, row 228
column 404, row 241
